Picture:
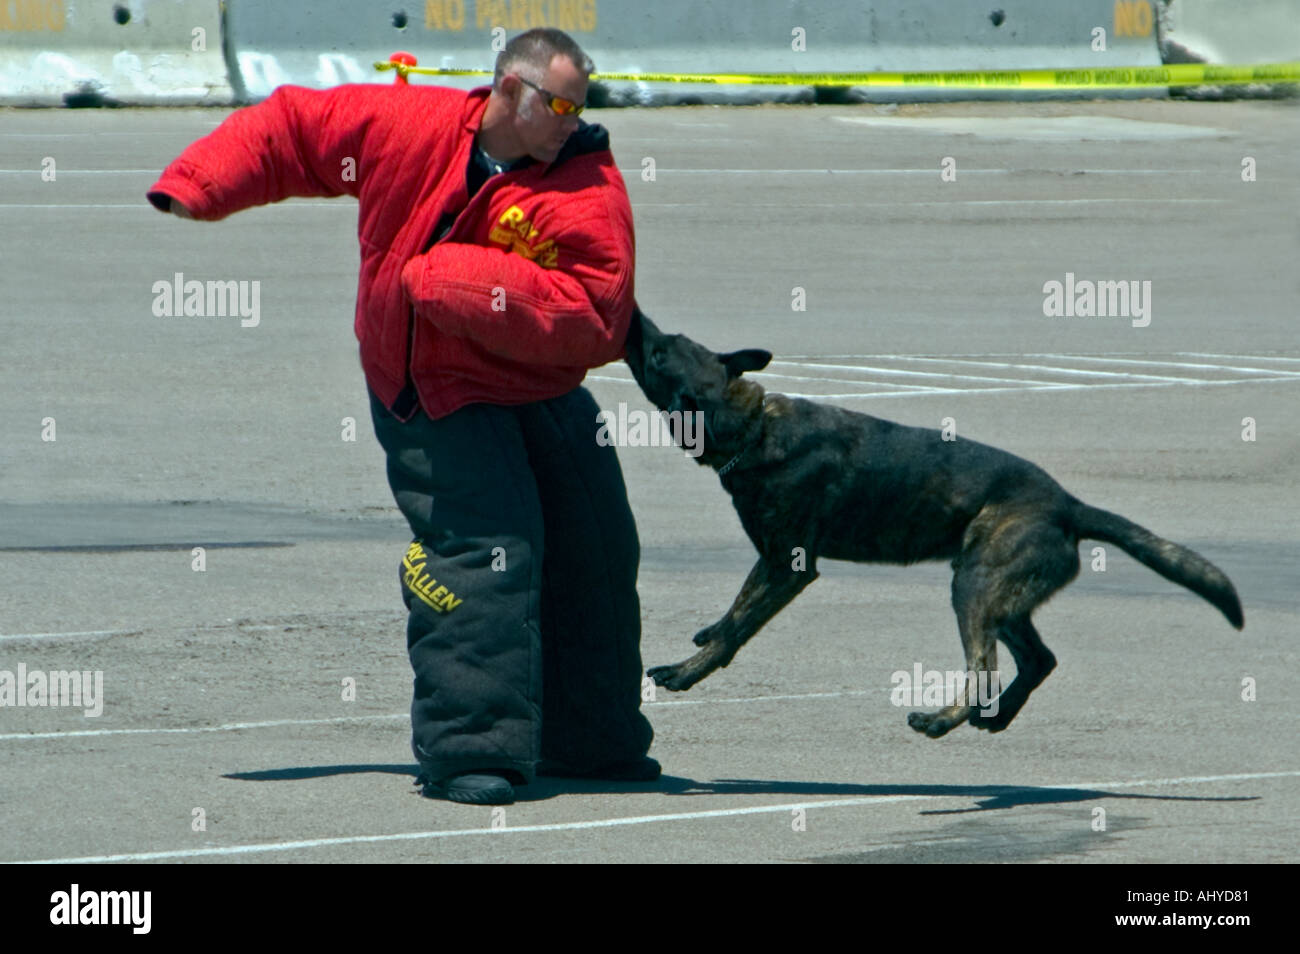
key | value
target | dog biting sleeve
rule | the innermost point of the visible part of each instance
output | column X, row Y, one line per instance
column 558, row 294
column 520, row 310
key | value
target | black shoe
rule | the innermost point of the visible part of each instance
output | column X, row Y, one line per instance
column 473, row 788
column 644, row 769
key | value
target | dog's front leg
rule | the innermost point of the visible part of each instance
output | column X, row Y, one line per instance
column 768, row 588
column 747, row 590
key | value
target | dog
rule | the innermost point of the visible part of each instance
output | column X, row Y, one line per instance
column 814, row 480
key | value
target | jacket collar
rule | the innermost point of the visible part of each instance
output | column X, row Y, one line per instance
column 475, row 104
column 588, row 137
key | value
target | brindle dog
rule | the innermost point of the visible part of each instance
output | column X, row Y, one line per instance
column 847, row 486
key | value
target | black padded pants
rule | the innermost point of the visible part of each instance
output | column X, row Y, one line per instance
column 524, row 625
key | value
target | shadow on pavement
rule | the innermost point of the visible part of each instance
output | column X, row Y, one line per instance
column 988, row 797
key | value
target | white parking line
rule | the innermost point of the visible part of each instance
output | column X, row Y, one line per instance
column 1167, row 364
column 1059, row 370
column 340, row 720
column 836, row 362
column 89, row 634
column 951, row 379
column 824, row 380
column 229, row 727
column 1049, row 387
column 785, row 808
column 1063, row 386
column 919, row 374
column 1237, row 357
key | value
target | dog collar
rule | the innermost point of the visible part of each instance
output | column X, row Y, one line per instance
column 725, row 468
column 732, row 463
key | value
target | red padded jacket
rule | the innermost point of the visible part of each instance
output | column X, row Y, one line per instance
column 530, row 286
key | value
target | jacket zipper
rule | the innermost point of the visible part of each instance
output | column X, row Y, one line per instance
column 408, row 401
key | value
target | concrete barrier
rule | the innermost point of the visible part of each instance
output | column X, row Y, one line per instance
column 1018, row 34
column 894, row 35
column 337, row 41
column 1230, row 31
column 96, row 53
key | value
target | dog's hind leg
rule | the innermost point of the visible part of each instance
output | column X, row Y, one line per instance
column 1012, row 563
column 1034, row 662
column 1046, row 559
column 767, row 589
column 970, row 588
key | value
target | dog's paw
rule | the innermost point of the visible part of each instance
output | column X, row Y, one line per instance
column 671, row 677
column 931, row 723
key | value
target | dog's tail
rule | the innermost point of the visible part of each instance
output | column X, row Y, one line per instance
column 1173, row 562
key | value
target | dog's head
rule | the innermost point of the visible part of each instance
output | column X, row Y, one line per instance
column 678, row 374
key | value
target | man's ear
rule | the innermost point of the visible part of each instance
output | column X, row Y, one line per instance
column 509, row 89
column 750, row 359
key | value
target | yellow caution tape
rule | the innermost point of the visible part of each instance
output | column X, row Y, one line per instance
column 1115, row 77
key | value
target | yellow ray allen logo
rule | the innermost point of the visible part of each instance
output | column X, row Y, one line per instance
column 517, row 234
column 422, row 584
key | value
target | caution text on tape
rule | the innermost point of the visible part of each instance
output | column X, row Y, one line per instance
column 1118, row 77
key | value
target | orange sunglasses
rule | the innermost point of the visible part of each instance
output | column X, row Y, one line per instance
column 557, row 104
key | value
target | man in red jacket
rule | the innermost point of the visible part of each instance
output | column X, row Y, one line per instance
column 497, row 268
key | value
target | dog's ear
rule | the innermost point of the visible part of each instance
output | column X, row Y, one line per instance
column 643, row 322
column 641, row 328
column 634, row 330
column 750, row 359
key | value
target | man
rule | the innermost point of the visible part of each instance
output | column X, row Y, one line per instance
column 497, row 268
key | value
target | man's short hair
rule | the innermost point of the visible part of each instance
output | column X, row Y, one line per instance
column 537, row 48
